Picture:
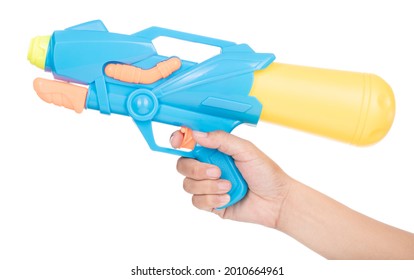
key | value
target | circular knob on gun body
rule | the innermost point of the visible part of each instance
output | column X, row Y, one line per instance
column 142, row 105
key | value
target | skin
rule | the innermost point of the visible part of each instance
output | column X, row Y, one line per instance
column 278, row 201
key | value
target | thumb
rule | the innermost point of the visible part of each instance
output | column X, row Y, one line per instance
column 225, row 142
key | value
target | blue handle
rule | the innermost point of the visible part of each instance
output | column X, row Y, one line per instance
column 228, row 169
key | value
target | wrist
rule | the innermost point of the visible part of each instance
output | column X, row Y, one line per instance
column 285, row 204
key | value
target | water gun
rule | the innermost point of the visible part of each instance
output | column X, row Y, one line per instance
column 125, row 75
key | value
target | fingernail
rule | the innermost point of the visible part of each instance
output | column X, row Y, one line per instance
column 213, row 172
column 199, row 134
column 223, row 186
column 224, row 199
column 171, row 138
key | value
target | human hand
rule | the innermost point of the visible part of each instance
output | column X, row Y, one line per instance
column 276, row 200
column 268, row 184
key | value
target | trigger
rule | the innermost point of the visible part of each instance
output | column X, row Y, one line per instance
column 188, row 140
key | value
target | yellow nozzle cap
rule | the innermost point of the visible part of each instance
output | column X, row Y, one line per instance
column 38, row 51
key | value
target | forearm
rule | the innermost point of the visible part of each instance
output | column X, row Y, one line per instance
column 337, row 232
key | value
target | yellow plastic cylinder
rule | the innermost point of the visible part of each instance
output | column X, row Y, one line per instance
column 351, row 107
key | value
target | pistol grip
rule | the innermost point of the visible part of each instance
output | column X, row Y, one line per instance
column 228, row 169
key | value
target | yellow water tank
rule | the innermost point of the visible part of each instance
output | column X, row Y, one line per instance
column 355, row 108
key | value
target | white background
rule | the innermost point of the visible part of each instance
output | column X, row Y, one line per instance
column 83, row 197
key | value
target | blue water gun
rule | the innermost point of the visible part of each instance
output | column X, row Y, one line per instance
column 125, row 75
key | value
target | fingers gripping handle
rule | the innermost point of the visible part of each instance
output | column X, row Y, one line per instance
column 226, row 163
column 228, row 169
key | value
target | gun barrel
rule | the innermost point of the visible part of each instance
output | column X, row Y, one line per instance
column 356, row 108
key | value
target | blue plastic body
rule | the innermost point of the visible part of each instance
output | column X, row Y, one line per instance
column 207, row 96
